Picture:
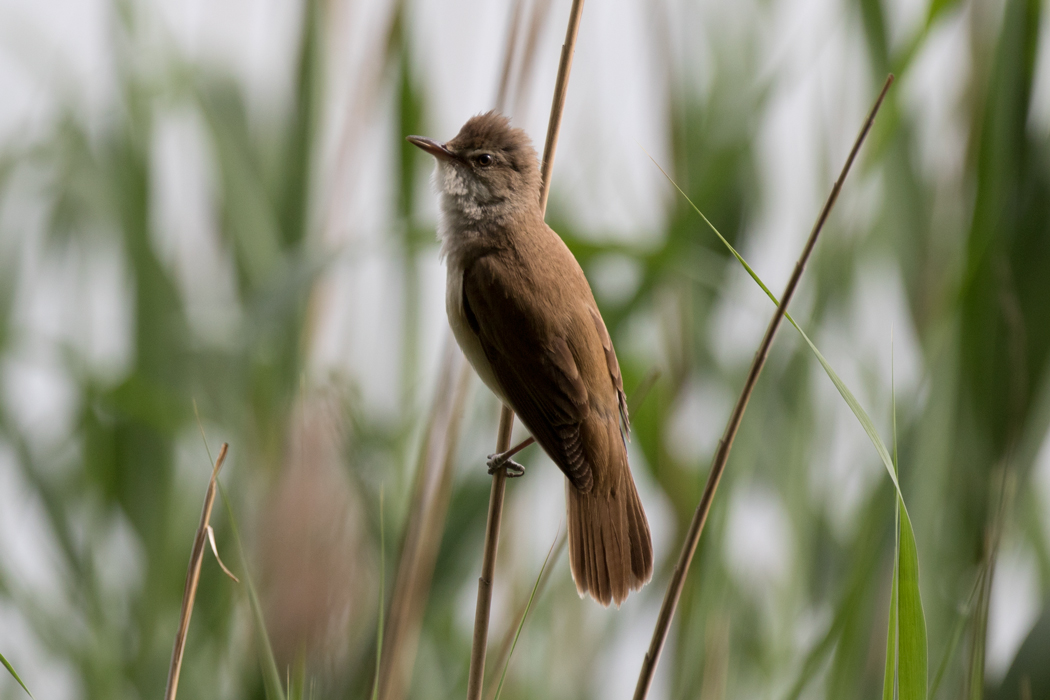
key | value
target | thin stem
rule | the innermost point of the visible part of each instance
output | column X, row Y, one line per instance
column 193, row 576
column 422, row 539
column 479, row 644
column 540, row 10
column 476, row 676
column 692, row 539
column 508, row 56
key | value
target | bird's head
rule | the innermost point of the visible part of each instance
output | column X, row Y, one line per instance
column 489, row 171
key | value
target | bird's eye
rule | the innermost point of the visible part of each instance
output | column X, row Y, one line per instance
column 485, row 159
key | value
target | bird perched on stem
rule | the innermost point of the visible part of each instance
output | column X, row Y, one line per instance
column 524, row 315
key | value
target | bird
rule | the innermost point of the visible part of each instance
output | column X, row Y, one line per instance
column 522, row 311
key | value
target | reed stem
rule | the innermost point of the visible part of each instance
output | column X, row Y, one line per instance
column 425, row 526
column 193, row 576
column 561, row 87
column 476, row 677
column 696, row 527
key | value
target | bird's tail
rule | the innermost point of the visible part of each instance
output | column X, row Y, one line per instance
column 610, row 549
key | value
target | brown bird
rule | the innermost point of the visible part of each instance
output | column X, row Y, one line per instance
column 524, row 315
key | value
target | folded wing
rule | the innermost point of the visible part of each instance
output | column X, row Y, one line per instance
column 544, row 388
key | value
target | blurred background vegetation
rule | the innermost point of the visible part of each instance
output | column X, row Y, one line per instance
column 209, row 207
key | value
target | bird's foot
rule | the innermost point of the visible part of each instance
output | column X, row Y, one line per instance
column 502, row 460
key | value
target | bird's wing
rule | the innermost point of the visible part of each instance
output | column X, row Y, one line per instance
column 614, row 368
column 535, row 368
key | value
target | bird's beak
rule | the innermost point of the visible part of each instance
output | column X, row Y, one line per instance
column 432, row 147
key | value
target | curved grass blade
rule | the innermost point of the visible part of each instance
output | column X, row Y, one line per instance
column 889, row 677
column 14, row 674
column 271, row 675
column 847, row 395
column 911, row 649
column 912, row 645
column 525, row 615
column 912, row 661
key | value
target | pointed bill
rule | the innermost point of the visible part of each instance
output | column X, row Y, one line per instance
column 438, row 150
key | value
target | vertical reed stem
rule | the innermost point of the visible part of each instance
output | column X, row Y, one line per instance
column 685, row 558
column 193, row 575
column 561, row 87
column 488, row 564
column 476, row 678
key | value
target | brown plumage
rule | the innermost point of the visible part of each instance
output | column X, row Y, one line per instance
column 524, row 315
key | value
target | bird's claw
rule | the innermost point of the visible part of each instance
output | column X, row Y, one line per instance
column 500, row 461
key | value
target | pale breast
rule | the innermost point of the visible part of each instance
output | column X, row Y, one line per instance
column 465, row 337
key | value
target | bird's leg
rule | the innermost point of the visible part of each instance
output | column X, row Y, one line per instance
column 502, row 460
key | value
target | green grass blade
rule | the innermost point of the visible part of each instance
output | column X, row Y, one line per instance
column 847, row 395
column 912, row 652
column 889, row 677
column 893, row 405
column 912, row 664
column 271, row 675
column 525, row 615
column 11, row 670
column 890, row 674
column 912, row 661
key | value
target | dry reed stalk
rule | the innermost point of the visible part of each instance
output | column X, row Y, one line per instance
column 429, row 506
column 193, row 575
column 476, row 676
column 433, row 522
column 540, row 10
column 561, row 87
column 685, row 558
column 488, row 563
column 430, row 495
column 364, row 92
column 410, row 538
column 363, row 95
column 508, row 56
